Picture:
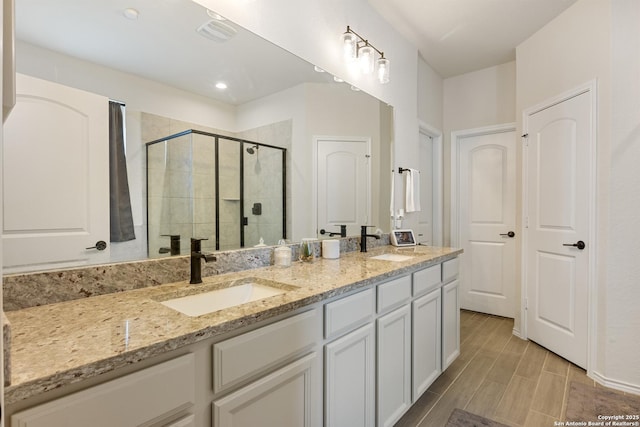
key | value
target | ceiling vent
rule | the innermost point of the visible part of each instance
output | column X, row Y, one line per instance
column 216, row 31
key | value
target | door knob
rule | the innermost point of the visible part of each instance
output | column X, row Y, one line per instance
column 579, row 244
column 509, row 234
column 101, row 245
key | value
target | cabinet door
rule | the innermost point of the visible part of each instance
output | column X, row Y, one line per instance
column 288, row 397
column 450, row 323
column 394, row 365
column 129, row 401
column 427, row 335
column 350, row 379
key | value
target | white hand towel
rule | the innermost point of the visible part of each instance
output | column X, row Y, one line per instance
column 412, row 190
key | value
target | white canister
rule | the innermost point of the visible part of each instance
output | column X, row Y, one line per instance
column 331, row 249
column 282, row 256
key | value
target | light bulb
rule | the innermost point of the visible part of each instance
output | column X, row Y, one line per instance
column 365, row 57
column 383, row 70
column 349, row 46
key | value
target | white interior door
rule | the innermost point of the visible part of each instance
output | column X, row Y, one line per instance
column 486, row 165
column 343, row 190
column 558, row 184
column 60, row 133
column 424, row 229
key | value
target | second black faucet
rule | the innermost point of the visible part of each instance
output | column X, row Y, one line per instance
column 364, row 235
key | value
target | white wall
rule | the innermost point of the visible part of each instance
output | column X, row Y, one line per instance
column 311, row 29
column 138, row 93
column 600, row 39
column 430, row 95
column 621, row 318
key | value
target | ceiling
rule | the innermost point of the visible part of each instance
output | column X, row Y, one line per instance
column 459, row 36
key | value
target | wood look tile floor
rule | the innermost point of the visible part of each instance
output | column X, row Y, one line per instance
column 498, row 376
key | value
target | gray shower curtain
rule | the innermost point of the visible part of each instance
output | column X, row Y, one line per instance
column 120, row 202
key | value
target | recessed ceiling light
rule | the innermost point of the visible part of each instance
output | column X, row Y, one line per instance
column 221, row 85
column 131, row 13
column 337, row 79
column 355, row 88
column 318, row 69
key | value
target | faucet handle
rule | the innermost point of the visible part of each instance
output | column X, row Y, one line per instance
column 195, row 244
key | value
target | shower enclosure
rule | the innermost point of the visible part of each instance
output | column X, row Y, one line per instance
column 227, row 190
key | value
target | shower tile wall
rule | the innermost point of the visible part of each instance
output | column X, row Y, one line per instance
column 229, row 175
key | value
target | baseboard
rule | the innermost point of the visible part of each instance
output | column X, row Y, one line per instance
column 615, row 384
column 517, row 333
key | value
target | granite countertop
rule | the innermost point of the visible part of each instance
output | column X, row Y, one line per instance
column 67, row 342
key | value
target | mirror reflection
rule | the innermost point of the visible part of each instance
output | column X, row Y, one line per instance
column 228, row 191
column 164, row 66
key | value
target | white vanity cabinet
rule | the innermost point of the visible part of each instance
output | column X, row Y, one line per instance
column 286, row 397
column 450, row 312
column 394, row 365
column 144, row 398
column 350, row 361
column 273, row 374
column 426, row 334
column 393, row 350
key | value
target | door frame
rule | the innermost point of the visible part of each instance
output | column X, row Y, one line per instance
column 589, row 87
column 438, row 181
column 314, row 173
column 456, row 137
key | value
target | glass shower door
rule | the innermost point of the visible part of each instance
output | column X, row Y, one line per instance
column 263, row 194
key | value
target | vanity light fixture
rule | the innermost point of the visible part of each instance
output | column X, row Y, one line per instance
column 358, row 49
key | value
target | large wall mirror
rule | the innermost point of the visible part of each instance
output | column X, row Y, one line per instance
column 164, row 61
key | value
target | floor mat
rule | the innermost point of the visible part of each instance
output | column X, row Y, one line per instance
column 460, row 418
column 587, row 403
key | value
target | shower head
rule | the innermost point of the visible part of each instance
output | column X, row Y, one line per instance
column 253, row 149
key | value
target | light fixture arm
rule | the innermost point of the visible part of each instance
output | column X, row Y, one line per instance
column 364, row 42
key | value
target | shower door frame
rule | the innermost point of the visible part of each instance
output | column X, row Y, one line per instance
column 216, row 139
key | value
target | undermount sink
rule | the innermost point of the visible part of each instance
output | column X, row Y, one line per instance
column 226, row 295
column 392, row 257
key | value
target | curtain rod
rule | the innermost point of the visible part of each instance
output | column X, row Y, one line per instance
column 117, row 102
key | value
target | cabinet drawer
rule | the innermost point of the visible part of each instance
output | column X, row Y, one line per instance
column 246, row 355
column 348, row 313
column 394, row 293
column 167, row 388
column 449, row 270
column 427, row 279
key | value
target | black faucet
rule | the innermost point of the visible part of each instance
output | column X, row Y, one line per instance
column 364, row 235
column 196, row 260
column 343, row 232
column 175, row 245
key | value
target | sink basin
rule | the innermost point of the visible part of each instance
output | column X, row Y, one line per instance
column 226, row 295
column 392, row 257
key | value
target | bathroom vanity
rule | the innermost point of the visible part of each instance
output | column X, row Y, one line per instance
column 352, row 341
